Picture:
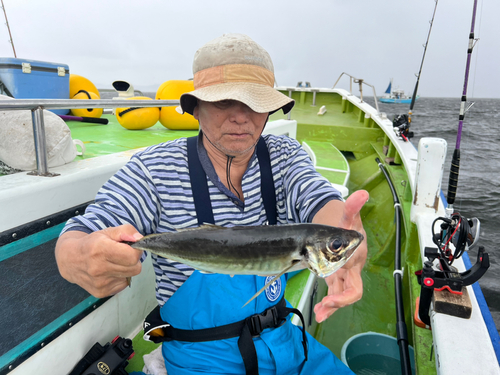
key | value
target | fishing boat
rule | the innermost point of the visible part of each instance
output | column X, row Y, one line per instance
column 352, row 144
column 395, row 96
column 435, row 323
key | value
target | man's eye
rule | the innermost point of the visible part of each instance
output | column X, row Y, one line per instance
column 223, row 104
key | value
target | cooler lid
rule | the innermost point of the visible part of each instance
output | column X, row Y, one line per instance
column 17, row 63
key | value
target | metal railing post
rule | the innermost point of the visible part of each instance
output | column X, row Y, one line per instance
column 42, row 167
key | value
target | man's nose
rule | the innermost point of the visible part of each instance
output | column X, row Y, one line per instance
column 240, row 112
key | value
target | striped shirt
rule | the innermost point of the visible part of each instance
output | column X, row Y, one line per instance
column 153, row 193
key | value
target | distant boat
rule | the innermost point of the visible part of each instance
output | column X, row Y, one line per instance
column 395, row 96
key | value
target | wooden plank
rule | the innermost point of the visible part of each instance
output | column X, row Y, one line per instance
column 448, row 303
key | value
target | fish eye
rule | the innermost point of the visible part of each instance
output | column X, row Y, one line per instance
column 336, row 244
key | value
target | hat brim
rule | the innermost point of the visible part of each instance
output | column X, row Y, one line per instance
column 260, row 98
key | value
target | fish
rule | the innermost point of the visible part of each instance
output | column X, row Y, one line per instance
column 266, row 250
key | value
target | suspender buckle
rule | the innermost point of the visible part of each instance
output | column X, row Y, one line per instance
column 267, row 319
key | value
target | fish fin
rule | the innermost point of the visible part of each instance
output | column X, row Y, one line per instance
column 270, row 282
column 202, row 226
column 129, row 282
column 211, row 226
column 231, row 275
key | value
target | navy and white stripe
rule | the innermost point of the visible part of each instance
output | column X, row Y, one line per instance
column 153, row 193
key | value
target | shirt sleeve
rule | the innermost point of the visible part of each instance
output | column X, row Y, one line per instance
column 306, row 191
column 129, row 197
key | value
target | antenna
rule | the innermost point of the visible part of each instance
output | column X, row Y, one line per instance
column 8, row 28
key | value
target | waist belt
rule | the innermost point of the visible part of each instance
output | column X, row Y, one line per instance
column 156, row 330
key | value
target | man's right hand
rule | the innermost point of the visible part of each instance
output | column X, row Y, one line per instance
column 99, row 262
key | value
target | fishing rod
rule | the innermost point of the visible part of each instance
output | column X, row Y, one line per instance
column 414, row 96
column 8, row 28
column 401, row 328
column 455, row 163
column 455, row 230
column 402, row 123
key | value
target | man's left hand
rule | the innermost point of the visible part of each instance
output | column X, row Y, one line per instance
column 346, row 286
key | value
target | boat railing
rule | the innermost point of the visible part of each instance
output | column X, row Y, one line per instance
column 113, row 91
column 36, row 106
column 359, row 81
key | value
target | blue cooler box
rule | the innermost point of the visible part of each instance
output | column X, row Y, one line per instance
column 31, row 79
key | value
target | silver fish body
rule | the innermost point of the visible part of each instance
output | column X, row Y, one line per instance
column 256, row 250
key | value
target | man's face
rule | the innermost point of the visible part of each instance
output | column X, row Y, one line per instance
column 230, row 125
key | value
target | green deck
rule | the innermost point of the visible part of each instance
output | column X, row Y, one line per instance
column 107, row 139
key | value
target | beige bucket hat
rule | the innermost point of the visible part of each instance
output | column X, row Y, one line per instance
column 234, row 67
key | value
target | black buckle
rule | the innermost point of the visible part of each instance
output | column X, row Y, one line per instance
column 259, row 322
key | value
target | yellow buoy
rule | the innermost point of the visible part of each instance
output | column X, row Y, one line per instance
column 77, row 83
column 86, row 112
column 169, row 117
column 135, row 118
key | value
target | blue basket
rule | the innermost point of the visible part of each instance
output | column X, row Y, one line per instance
column 374, row 353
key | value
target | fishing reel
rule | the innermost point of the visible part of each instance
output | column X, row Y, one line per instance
column 401, row 125
column 463, row 233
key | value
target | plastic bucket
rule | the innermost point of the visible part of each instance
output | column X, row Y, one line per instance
column 374, row 353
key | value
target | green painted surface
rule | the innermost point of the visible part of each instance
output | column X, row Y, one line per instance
column 295, row 287
column 141, row 347
column 107, row 139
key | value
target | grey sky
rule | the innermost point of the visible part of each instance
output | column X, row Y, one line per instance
column 147, row 42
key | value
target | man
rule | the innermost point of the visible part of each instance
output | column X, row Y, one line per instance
column 219, row 177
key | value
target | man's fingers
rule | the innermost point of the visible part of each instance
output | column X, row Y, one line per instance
column 113, row 251
column 352, row 207
column 125, row 232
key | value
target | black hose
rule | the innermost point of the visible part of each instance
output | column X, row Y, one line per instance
column 401, row 328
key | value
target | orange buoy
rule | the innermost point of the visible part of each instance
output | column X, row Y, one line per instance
column 86, row 112
column 135, row 118
column 77, row 83
column 169, row 117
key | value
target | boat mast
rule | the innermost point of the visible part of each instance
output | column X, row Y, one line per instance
column 8, row 28
column 455, row 163
column 414, row 96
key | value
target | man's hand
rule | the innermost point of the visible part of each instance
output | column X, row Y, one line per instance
column 345, row 286
column 99, row 262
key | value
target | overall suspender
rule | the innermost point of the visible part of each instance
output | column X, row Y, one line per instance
column 156, row 330
column 199, row 183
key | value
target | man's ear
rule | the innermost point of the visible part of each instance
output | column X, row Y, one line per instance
column 196, row 112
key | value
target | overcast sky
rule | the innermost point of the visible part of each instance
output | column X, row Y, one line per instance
column 147, row 42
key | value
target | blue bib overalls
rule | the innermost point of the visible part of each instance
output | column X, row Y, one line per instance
column 213, row 300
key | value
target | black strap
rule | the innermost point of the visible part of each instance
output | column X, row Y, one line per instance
column 157, row 331
column 199, row 185
column 267, row 188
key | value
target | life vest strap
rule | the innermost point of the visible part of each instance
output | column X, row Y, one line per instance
column 157, row 331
